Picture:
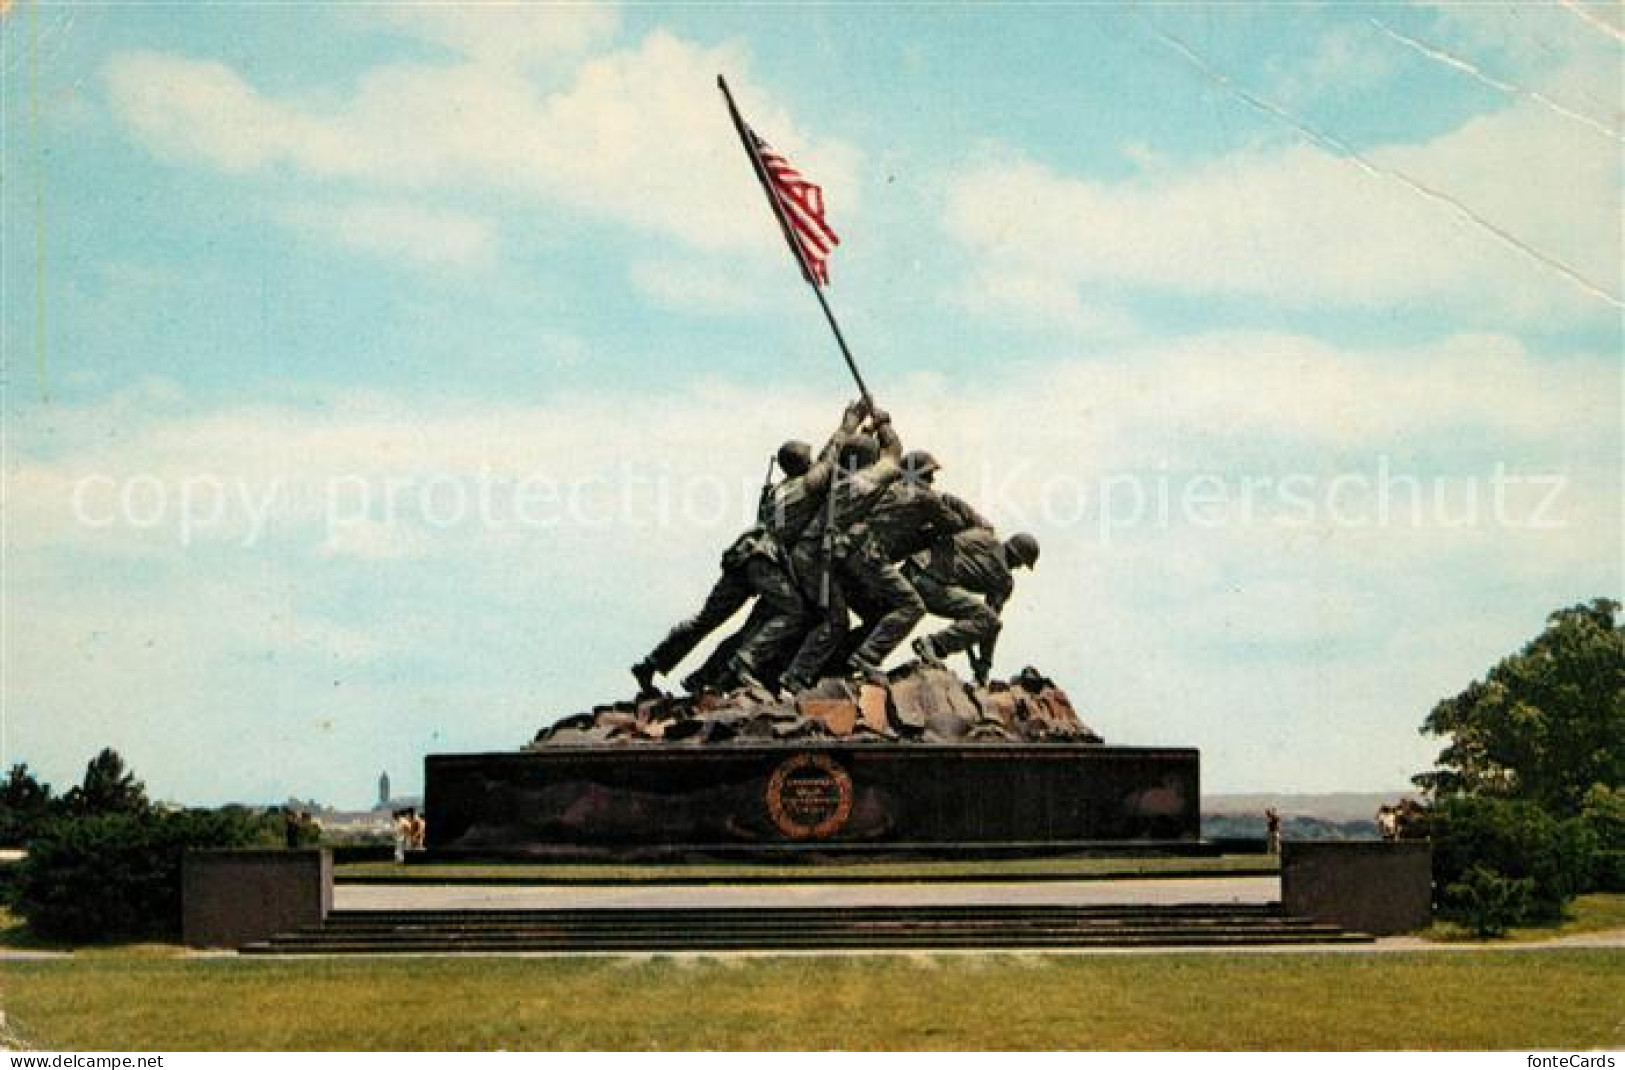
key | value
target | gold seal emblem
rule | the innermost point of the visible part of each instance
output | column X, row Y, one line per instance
column 809, row 797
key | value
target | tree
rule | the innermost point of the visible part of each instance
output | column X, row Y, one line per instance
column 25, row 803
column 1604, row 814
column 1546, row 724
column 108, row 788
column 1487, row 849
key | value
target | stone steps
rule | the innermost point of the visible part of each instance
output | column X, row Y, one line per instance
column 803, row 928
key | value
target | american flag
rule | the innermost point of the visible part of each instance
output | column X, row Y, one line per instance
column 803, row 205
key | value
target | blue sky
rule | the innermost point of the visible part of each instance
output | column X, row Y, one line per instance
column 383, row 380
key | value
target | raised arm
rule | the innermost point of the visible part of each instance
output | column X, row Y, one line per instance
column 851, row 420
column 818, row 476
column 962, row 515
column 890, row 445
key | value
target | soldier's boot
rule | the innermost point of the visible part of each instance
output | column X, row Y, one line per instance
column 644, row 673
column 749, row 679
column 867, row 672
column 927, row 651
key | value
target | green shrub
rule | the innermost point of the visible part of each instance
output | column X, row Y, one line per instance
column 116, row 876
column 1603, row 811
column 1489, row 903
column 1512, row 841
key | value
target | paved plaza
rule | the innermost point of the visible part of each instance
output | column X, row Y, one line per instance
column 1161, row 892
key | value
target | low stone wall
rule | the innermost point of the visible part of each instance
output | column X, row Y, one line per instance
column 1369, row 886
column 232, row 898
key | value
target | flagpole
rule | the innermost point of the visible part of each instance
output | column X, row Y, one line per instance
column 790, row 239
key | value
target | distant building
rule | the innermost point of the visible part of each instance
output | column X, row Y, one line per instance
column 383, row 790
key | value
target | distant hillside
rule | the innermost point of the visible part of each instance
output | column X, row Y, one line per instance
column 1335, row 807
column 1251, row 827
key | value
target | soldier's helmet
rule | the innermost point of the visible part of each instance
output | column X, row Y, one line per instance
column 1022, row 550
column 795, row 458
column 860, row 452
column 920, row 466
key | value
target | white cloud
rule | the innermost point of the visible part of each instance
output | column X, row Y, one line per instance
column 508, row 34
column 1303, row 227
column 202, row 109
column 372, row 539
column 639, row 137
column 1344, row 61
column 695, row 285
column 1285, row 387
column 397, row 231
column 1032, row 298
column 369, row 478
column 1551, row 46
column 1278, row 387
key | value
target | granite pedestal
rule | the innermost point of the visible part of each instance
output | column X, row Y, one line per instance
column 813, row 801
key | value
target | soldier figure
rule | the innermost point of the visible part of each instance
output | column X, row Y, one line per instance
column 837, row 554
column 756, row 565
column 908, row 518
column 861, row 529
column 912, row 514
column 967, row 579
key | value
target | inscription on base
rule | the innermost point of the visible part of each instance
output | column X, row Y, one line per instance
column 809, row 797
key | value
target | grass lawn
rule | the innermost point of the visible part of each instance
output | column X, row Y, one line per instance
column 1070, row 868
column 1573, row 999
